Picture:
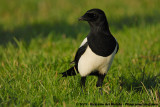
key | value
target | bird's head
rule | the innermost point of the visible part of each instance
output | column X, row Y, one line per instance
column 95, row 17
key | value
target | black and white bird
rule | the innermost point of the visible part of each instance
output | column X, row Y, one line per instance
column 96, row 52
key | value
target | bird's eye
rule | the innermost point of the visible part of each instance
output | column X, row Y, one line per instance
column 92, row 15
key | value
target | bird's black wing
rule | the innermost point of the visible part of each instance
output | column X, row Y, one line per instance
column 72, row 71
column 80, row 52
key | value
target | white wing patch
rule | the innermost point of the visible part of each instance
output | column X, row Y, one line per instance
column 89, row 62
column 84, row 41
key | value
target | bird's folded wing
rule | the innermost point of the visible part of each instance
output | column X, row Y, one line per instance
column 80, row 52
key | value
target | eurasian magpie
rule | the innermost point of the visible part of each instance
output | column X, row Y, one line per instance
column 96, row 52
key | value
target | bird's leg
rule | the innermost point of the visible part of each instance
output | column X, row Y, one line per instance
column 83, row 80
column 100, row 82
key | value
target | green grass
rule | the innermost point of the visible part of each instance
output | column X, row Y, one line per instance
column 38, row 40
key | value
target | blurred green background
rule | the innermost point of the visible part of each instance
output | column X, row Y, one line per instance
column 39, row 38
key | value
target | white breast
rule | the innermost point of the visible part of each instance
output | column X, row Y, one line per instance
column 89, row 62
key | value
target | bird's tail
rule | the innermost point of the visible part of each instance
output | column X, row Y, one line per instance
column 69, row 72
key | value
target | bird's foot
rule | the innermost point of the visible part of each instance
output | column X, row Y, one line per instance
column 101, row 90
column 83, row 89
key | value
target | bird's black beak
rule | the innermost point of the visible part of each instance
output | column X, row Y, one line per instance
column 81, row 18
column 85, row 17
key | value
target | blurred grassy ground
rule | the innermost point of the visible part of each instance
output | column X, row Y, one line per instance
column 28, row 19
column 39, row 38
